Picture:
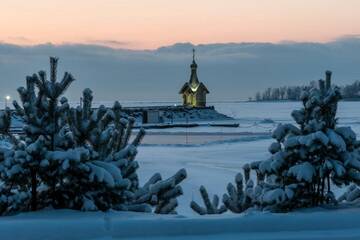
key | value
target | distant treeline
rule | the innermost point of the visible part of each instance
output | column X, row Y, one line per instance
column 292, row 93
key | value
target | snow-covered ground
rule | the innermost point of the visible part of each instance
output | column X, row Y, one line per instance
column 212, row 163
column 313, row 224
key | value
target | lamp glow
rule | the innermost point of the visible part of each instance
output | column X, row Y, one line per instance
column 7, row 98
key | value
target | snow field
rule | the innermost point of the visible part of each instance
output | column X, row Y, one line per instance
column 71, row 225
column 212, row 165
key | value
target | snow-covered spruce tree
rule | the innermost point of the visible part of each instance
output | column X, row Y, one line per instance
column 162, row 194
column 351, row 195
column 108, row 133
column 51, row 163
column 211, row 207
column 105, row 133
column 237, row 198
column 8, row 194
column 28, row 168
column 307, row 159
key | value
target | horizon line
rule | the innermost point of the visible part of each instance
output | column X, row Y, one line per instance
column 87, row 43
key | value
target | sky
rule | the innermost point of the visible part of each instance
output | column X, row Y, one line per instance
column 144, row 24
column 141, row 50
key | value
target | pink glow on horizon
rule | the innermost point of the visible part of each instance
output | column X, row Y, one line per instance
column 143, row 24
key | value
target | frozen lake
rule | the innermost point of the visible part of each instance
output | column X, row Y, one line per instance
column 348, row 112
column 255, row 119
column 255, row 111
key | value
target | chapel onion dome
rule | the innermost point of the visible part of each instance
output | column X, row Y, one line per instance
column 193, row 65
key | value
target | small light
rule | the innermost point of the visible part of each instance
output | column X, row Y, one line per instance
column 7, row 98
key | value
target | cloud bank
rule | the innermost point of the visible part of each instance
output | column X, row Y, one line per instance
column 232, row 71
